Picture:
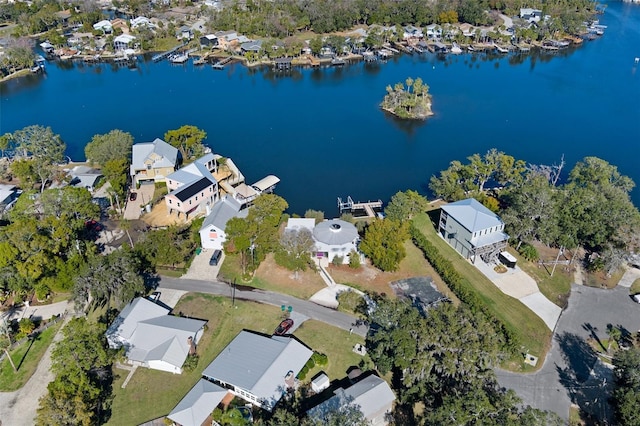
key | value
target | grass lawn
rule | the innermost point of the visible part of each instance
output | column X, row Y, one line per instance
column 337, row 344
column 151, row 394
column 26, row 357
column 530, row 329
column 271, row 276
column 635, row 287
column 557, row 288
column 599, row 279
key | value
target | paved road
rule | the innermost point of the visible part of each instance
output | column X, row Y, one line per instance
column 306, row 308
column 571, row 373
column 19, row 408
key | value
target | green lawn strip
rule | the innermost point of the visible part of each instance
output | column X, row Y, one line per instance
column 337, row 344
column 530, row 330
column 151, row 394
column 557, row 288
column 635, row 287
column 32, row 353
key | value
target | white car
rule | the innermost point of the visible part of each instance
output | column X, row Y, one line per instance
column 636, row 298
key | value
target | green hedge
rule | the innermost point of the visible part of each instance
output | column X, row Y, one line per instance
column 462, row 288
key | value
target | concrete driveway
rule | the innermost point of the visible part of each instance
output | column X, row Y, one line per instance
column 517, row 284
column 200, row 268
column 144, row 195
column 571, row 373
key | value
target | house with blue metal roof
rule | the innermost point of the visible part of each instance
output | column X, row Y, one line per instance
column 472, row 229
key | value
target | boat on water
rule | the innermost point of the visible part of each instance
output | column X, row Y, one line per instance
column 199, row 61
column 470, row 48
column 179, row 58
column 455, row 49
column 338, row 62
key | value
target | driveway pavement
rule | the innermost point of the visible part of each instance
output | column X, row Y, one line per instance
column 517, row 284
column 200, row 268
column 133, row 209
column 630, row 275
column 19, row 408
column 38, row 312
column 571, row 373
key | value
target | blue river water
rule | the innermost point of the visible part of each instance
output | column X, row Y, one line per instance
column 321, row 130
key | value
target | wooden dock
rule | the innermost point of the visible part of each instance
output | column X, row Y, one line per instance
column 350, row 206
column 220, row 64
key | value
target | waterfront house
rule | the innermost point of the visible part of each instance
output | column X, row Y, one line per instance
column 193, row 187
column 258, row 368
column 152, row 338
column 226, row 39
column 212, row 231
column 121, row 24
column 433, row 31
column 208, row 41
column 371, row 395
column 472, row 229
column 141, row 21
column 152, row 161
column 123, row 42
column 197, row 404
column 335, row 238
column 84, row 177
column 251, row 46
column 184, row 33
column 105, row 26
column 411, row 32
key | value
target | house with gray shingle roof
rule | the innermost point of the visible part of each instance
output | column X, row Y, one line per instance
column 334, row 238
column 472, row 229
column 152, row 338
column 258, row 368
column 152, row 161
column 371, row 395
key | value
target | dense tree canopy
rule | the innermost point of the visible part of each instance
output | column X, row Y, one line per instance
column 405, row 205
column 188, row 140
column 39, row 152
column 383, row 243
column 626, row 397
column 115, row 145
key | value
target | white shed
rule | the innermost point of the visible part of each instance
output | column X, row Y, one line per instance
column 320, row 383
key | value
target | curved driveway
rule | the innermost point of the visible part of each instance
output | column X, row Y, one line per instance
column 571, row 373
column 304, row 307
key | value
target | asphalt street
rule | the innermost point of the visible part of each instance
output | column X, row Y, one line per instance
column 571, row 372
column 304, row 307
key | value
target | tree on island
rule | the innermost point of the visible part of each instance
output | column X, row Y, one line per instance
column 414, row 102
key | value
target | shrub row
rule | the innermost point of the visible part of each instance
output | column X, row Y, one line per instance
column 462, row 288
column 316, row 359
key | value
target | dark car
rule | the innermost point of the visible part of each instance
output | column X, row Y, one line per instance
column 284, row 327
column 215, row 258
column 133, row 196
column 93, row 225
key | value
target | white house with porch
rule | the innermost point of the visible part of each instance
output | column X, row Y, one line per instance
column 123, row 42
column 472, row 229
column 258, row 368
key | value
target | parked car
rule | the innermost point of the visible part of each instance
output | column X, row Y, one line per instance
column 636, row 298
column 283, row 327
column 215, row 258
column 133, row 196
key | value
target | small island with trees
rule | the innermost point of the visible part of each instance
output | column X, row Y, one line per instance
column 412, row 102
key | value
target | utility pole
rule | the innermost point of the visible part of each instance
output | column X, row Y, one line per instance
column 557, row 257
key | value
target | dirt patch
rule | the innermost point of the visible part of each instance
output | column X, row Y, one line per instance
column 159, row 216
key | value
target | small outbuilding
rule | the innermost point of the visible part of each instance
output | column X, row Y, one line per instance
column 320, row 383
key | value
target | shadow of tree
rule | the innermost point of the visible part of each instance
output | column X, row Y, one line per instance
column 587, row 381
